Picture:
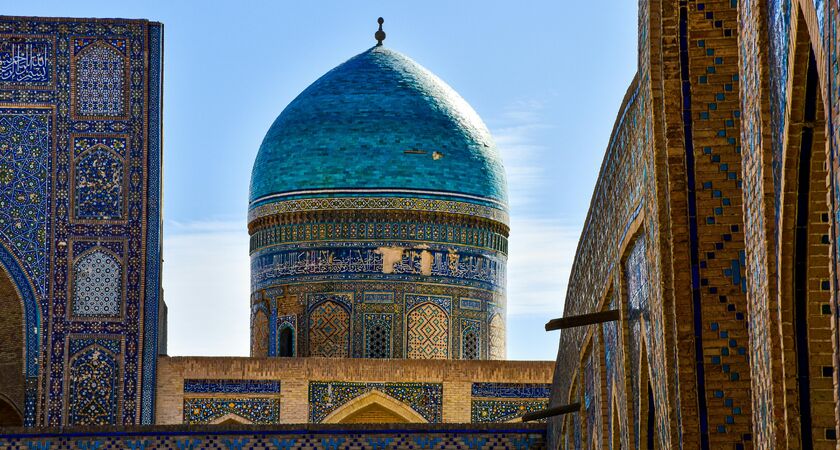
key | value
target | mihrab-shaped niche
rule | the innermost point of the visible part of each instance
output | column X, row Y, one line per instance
column 97, row 285
column 428, row 332
column 329, row 331
column 470, row 339
column 98, row 185
column 496, row 338
column 100, row 72
column 92, row 397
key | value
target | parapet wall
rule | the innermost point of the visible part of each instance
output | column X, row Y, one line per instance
column 313, row 390
column 285, row 437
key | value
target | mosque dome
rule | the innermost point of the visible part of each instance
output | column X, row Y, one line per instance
column 379, row 124
column 378, row 220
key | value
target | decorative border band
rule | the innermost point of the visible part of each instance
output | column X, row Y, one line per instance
column 378, row 203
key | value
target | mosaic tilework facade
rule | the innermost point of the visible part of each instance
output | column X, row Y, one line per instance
column 97, row 284
column 345, row 390
column 208, row 401
column 506, row 402
column 417, row 256
column 736, row 204
column 662, row 244
column 292, row 437
column 79, row 212
column 424, row 398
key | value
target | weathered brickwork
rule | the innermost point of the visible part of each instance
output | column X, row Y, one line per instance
column 328, row 390
column 289, row 437
column 726, row 268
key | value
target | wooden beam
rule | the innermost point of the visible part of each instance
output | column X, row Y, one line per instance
column 551, row 412
column 583, row 319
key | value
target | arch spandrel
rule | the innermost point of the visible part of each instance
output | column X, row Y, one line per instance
column 374, row 407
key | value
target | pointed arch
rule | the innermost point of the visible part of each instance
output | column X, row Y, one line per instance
column 99, row 72
column 329, row 330
column 92, row 397
column 231, row 419
column 804, row 287
column 21, row 321
column 427, row 326
column 259, row 333
column 10, row 414
column 496, row 338
column 374, row 407
column 286, row 341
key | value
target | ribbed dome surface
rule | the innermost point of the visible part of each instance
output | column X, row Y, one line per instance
column 378, row 124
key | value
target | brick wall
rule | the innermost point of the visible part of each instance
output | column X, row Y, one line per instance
column 296, row 375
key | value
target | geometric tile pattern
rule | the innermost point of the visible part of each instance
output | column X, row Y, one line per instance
column 513, row 437
column 470, row 339
column 378, row 335
column 100, row 70
column 497, row 350
column 329, row 331
column 66, row 83
column 97, row 285
column 260, row 332
column 428, row 332
column 424, row 398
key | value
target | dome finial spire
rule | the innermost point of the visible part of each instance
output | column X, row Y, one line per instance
column 380, row 35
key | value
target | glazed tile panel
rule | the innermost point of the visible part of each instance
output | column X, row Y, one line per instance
column 426, row 399
column 505, row 402
column 289, row 438
column 379, row 121
column 343, row 260
column 79, row 210
column 209, row 401
column 618, row 201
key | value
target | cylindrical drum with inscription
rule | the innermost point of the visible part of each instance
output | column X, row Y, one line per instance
column 378, row 220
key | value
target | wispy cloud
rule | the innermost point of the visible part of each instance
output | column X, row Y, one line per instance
column 542, row 245
column 541, row 256
column 206, row 264
column 516, row 140
column 206, row 287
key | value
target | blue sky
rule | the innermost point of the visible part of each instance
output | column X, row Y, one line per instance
column 546, row 76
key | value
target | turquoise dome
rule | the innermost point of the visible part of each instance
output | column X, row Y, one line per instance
column 379, row 124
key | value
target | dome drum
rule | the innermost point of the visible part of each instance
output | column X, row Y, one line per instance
column 378, row 221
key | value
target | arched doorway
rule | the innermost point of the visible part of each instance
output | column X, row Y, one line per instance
column 287, row 342
column 12, row 384
column 804, row 249
column 374, row 407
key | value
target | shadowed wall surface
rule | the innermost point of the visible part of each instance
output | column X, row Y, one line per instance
column 713, row 230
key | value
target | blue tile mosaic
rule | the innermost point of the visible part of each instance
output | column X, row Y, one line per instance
column 216, row 386
column 416, row 133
